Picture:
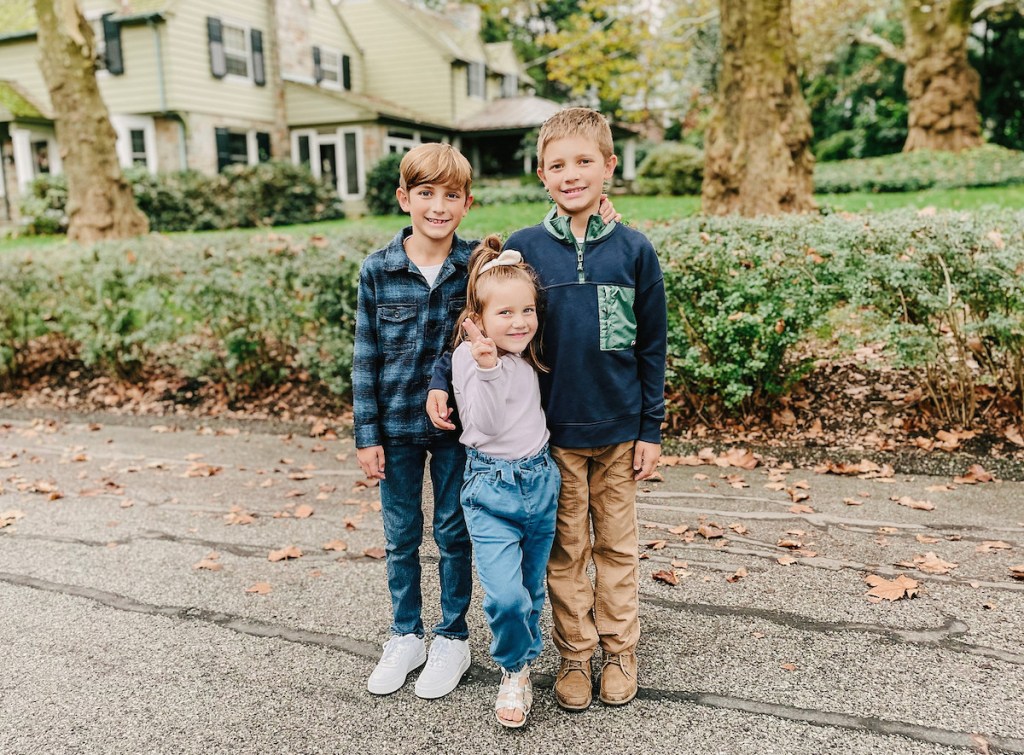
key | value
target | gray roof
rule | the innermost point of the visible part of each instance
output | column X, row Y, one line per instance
column 510, row 113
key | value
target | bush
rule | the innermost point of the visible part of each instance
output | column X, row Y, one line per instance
column 272, row 193
column 486, row 196
column 381, row 183
column 671, row 168
column 989, row 165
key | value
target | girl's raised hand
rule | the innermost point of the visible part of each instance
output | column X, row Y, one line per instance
column 481, row 347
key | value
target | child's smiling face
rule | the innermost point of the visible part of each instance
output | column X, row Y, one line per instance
column 435, row 209
column 574, row 172
column 509, row 315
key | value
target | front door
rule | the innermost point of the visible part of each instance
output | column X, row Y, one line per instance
column 329, row 163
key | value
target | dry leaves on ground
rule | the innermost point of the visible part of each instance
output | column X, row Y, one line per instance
column 289, row 551
column 304, row 511
column 260, row 588
column 740, row 574
column 930, row 564
column 975, row 474
column 335, row 545
column 912, row 503
column 987, row 546
column 209, row 563
column 375, row 552
column 1017, row 572
column 238, row 515
column 890, row 589
column 666, row 576
column 10, row 517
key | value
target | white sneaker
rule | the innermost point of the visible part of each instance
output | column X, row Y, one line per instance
column 448, row 661
column 402, row 653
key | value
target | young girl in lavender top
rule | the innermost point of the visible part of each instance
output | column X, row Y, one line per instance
column 510, row 492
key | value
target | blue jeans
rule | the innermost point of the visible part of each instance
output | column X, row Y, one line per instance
column 401, row 508
column 510, row 510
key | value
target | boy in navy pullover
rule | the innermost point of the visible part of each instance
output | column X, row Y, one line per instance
column 605, row 341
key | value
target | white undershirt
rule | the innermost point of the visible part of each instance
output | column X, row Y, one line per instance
column 430, row 273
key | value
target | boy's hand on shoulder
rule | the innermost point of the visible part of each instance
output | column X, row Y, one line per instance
column 371, row 461
column 607, row 211
column 645, row 459
column 481, row 347
column 438, row 410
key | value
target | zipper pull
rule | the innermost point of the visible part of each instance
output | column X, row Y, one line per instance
column 580, row 275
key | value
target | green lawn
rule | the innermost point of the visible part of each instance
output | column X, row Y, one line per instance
column 504, row 219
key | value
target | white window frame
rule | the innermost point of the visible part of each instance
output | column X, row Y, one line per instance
column 123, row 126
column 324, row 68
column 476, row 73
column 510, row 85
column 402, row 144
column 229, row 52
column 343, row 164
column 95, row 20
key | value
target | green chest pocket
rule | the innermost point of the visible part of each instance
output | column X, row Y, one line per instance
column 618, row 321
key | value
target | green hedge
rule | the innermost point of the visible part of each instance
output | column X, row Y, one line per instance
column 990, row 165
column 748, row 302
column 242, row 196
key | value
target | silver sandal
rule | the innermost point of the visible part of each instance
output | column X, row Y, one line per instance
column 515, row 693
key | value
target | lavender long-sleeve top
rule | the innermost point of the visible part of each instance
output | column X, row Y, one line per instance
column 500, row 407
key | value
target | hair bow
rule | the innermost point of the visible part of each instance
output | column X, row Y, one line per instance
column 507, row 257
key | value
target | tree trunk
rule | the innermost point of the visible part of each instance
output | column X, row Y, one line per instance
column 758, row 158
column 100, row 201
column 942, row 87
column 280, row 139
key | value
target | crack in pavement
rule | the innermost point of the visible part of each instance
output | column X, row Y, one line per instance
column 478, row 676
column 944, row 636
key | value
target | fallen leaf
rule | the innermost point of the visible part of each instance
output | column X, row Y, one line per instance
column 853, row 502
column 987, row 546
column 202, row 470
column 975, row 474
column 738, row 528
column 740, row 574
column 788, row 667
column 789, row 543
column 372, row 483
column 906, row 500
column 260, row 588
column 238, row 515
column 786, row 560
column 738, row 457
column 932, row 564
column 926, row 539
column 801, row 508
column 656, row 545
column 679, row 564
column 666, row 576
column 289, row 551
column 10, row 517
column 304, row 511
column 1017, row 572
column 209, row 563
column 710, row 531
column 335, row 545
column 375, row 552
column 891, row 589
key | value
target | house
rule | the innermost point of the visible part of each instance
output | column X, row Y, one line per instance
column 337, row 85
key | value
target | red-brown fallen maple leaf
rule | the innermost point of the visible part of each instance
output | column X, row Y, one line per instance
column 666, row 576
column 891, row 589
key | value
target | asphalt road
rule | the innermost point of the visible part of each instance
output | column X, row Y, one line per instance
column 111, row 641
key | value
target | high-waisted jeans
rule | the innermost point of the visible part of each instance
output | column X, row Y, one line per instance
column 510, row 509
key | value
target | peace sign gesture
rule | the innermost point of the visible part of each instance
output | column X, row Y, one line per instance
column 483, row 349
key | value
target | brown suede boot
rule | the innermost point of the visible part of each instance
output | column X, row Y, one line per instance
column 618, row 678
column 573, row 687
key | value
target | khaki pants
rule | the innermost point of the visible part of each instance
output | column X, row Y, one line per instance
column 597, row 489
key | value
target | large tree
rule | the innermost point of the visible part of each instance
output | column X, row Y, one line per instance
column 942, row 87
column 757, row 151
column 100, row 201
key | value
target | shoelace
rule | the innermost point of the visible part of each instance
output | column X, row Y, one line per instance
column 392, row 652
column 439, row 652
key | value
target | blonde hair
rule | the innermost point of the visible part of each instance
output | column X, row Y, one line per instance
column 576, row 121
column 435, row 163
column 488, row 250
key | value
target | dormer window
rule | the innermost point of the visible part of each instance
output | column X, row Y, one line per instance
column 330, row 66
column 509, row 85
column 477, row 80
column 236, row 50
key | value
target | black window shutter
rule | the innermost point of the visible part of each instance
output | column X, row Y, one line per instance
column 223, row 149
column 346, row 72
column 259, row 72
column 218, row 63
column 112, row 43
column 318, row 72
column 262, row 146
